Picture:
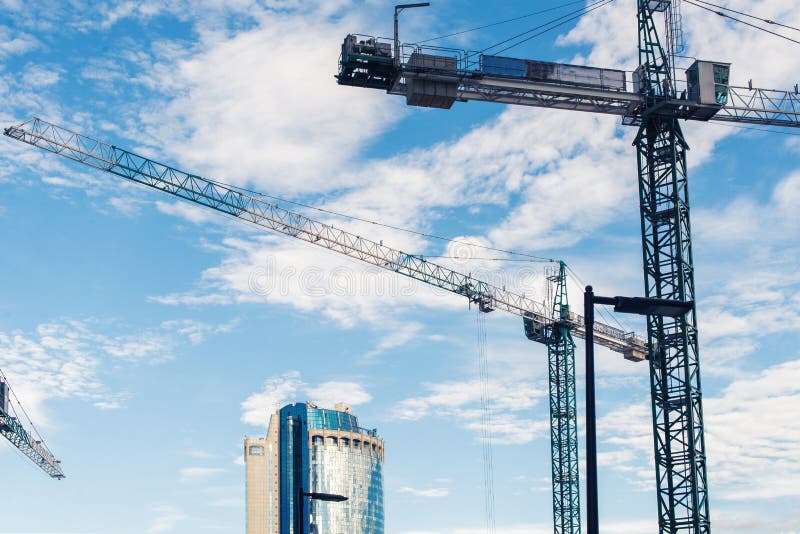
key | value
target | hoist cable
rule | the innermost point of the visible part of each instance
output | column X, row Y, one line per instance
column 596, row 5
column 490, row 25
column 725, row 15
column 768, row 21
column 768, row 130
column 486, row 421
column 572, row 15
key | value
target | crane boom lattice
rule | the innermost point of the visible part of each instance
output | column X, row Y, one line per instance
column 26, row 440
column 222, row 198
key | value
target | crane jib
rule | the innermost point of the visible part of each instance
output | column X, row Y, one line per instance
column 219, row 197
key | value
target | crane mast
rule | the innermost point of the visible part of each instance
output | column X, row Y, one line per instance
column 654, row 101
column 678, row 430
column 563, row 413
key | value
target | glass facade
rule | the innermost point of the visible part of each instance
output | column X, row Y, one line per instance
column 325, row 451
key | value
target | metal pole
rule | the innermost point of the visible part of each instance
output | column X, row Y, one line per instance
column 592, row 522
column 397, row 9
column 396, row 36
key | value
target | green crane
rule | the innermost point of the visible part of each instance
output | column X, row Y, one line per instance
column 437, row 77
column 553, row 327
column 24, row 437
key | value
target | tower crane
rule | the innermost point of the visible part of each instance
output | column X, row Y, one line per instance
column 553, row 326
column 653, row 101
column 27, row 440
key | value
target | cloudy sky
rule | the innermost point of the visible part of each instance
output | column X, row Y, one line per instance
column 147, row 337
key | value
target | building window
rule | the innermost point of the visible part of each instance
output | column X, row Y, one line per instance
column 256, row 450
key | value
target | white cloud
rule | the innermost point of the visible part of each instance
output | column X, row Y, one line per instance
column 166, row 519
column 109, row 404
column 192, row 213
column 461, row 401
column 757, row 55
column 744, row 219
column 277, row 392
column 197, row 453
column 15, row 42
column 194, row 474
column 196, row 331
column 752, row 294
column 230, row 502
column 122, row 10
column 434, row 493
column 38, row 76
column 68, row 358
column 241, row 109
column 752, row 437
column 290, row 388
column 396, row 338
column 178, row 299
column 127, row 206
column 328, row 394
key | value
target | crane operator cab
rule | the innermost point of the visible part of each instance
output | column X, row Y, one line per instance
column 705, row 93
column 707, row 83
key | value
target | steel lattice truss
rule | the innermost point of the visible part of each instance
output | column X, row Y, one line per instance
column 217, row 196
column 761, row 106
column 563, row 416
column 14, row 432
column 669, row 274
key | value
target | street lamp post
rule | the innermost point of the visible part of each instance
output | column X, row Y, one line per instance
column 329, row 497
column 635, row 305
column 397, row 10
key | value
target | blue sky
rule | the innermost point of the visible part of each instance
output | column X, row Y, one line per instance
column 148, row 337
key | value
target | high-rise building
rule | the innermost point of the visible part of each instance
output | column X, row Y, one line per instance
column 263, row 481
column 314, row 450
column 257, row 485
